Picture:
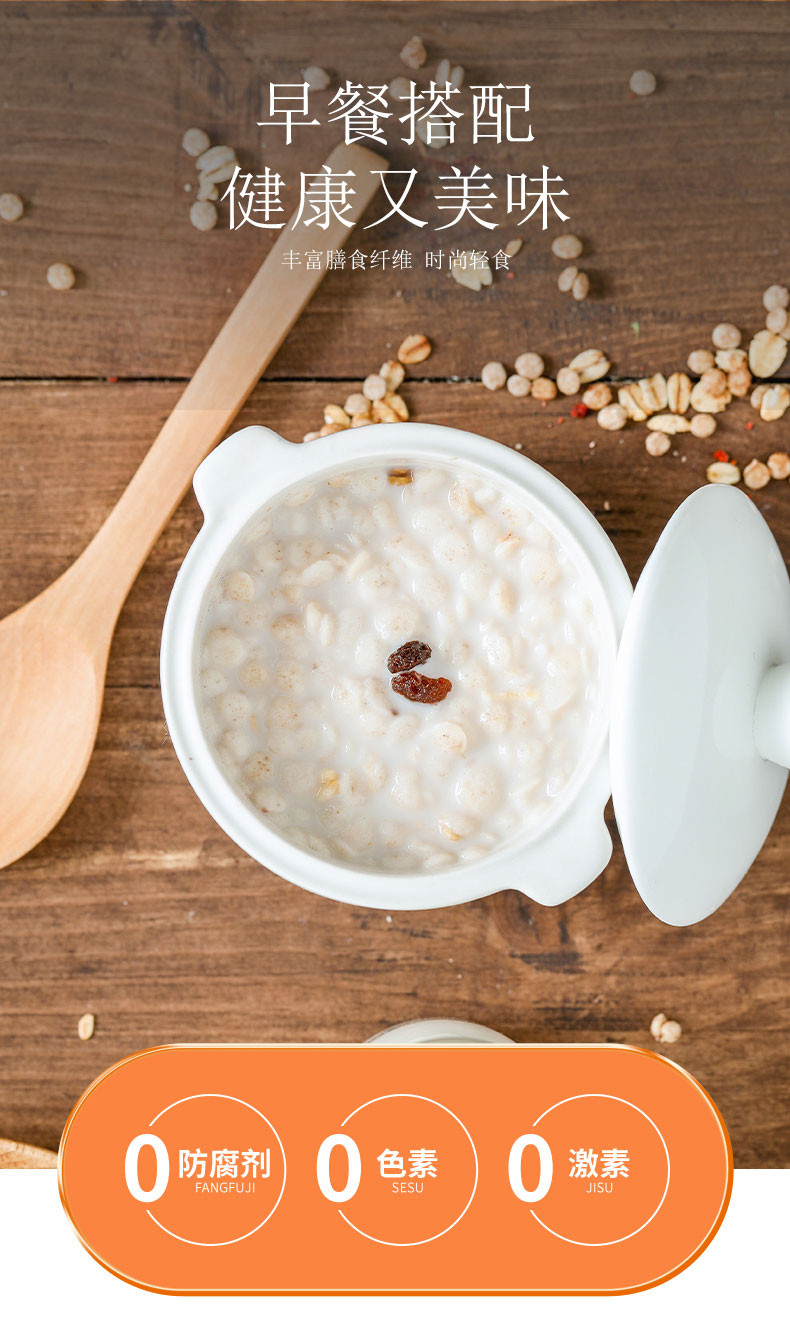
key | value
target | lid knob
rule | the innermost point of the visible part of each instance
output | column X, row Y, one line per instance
column 772, row 716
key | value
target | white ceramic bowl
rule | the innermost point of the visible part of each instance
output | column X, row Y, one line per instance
column 439, row 1031
column 253, row 468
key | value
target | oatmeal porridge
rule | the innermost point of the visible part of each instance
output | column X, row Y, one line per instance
column 399, row 668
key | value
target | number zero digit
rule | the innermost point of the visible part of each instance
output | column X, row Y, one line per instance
column 354, row 1167
column 133, row 1150
column 546, row 1167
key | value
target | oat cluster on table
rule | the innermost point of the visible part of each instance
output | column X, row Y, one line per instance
column 571, row 280
column 215, row 165
column 674, row 404
column 379, row 400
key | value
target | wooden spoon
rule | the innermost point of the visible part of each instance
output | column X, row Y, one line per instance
column 54, row 650
column 18, row 1155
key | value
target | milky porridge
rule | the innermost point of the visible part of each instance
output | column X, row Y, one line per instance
column 345, row 755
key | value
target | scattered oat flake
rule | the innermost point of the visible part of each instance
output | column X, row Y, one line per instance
column 86, row 1026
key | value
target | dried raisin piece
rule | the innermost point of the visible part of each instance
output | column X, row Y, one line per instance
column 424, row 690
column 408, row 656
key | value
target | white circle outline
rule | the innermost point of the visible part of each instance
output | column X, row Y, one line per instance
column 219, row 1095
column 410, row 1095
column 603, row 1095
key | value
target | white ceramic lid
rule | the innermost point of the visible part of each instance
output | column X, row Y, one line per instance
column 706, row 647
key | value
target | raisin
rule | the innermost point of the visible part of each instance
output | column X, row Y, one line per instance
column 408, row 656
column 423, row 690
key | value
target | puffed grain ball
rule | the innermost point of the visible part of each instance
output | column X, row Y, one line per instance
column 400, row 88
column 581, row 286
column 393, row 373
column 776, row 296
column 374, row 388
column 612, row 417
column 517, row 386
column 726, row 336
column 756, row 398
column 739, row 380
column 203, row 215
column 529, row 366
column 315, row 77
column 11, row 206
column 657, row 444
column 776, row 320
column 543, row 389
column 664, row 1029
column 714, row 381
column 356, row 403
column 597, row 396
column 60, row 276
column 568, row 381
column 779, row 464
column 756, row 474
column 656, row 1025
column 493, row 375
column 566, row 278
column 566, row 246
column 699, row 361
column 195, row 142
column 642, row 82
column 727, row 360
column 414, row 53
column 702, row 425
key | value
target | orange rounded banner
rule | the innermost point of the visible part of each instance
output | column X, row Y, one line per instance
column 478, row 1169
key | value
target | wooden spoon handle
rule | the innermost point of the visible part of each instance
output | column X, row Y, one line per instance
column 224, row 379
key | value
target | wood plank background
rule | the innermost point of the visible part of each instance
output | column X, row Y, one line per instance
column 137, row 907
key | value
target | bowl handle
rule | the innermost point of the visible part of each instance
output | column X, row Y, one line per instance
column 251, row 455
column 573, row 853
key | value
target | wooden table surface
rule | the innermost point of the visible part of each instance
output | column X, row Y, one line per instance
column 137, row 907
